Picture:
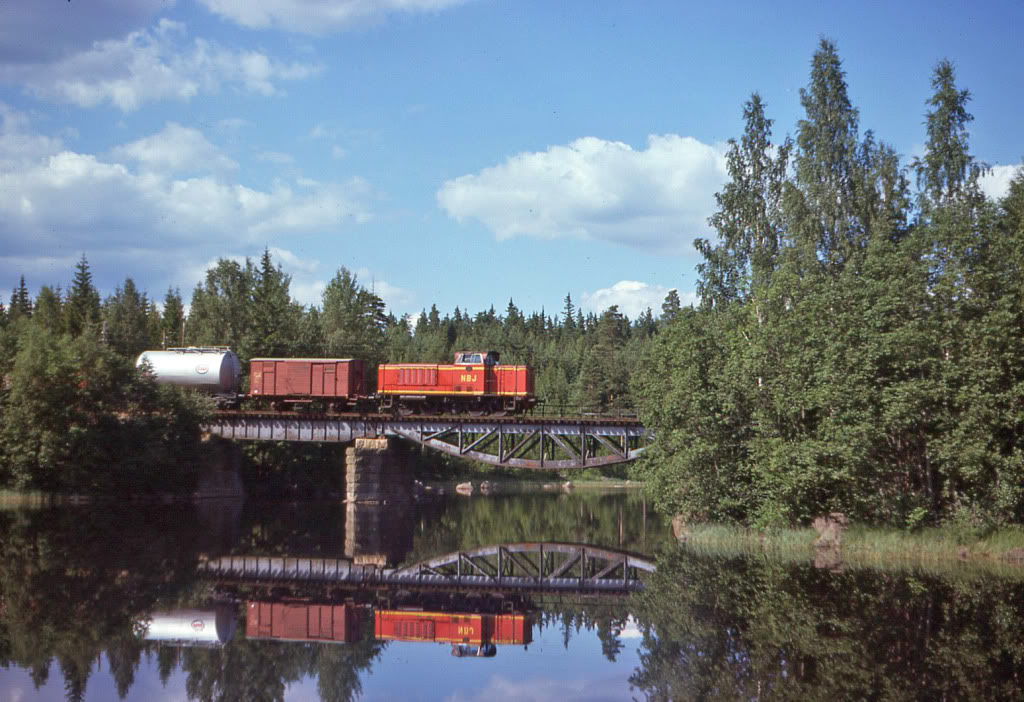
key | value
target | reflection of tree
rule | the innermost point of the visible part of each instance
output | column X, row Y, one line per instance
column 68, row 595
column 582, row 517
column 261, row 670
column 605, row 618
column 744, row 628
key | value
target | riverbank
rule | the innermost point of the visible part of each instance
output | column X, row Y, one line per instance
column 859, row 545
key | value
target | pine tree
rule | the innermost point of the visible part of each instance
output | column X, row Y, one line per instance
column 947, row 168
column 83, row 304
column 21, row 303
column 827, row 142
column 172, row 319
column 49, row 311
column 671, row 307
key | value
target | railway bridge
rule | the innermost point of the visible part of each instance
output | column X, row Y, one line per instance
column 515, row 567
column 526, row 441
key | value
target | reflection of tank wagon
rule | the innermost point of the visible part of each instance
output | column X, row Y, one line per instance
column 214, row 370
column 192, row 627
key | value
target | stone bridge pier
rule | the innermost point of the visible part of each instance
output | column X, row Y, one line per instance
column 378, row 493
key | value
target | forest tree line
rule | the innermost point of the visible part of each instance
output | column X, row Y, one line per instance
column 56, row 427
column 859, row 341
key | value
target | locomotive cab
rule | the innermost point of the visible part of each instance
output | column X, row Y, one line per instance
column 476, row 358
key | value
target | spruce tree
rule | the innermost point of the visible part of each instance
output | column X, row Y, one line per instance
column 83, row 303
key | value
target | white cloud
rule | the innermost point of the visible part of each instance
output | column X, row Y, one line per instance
column 658, row 198
column 151, row 65
column 318, row 16
column 632, row 297
column 996, row 183
column 175, row 149
column 60, row 201
column 393, row 296
column 310, row 292
column 591, row 689
column 292, row 263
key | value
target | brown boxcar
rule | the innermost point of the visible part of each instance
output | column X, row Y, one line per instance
column 452, row 627
column 298, row 621
column 474, row 382
column 339, row 381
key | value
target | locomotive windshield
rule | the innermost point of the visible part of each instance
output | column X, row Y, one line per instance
column 488, row 359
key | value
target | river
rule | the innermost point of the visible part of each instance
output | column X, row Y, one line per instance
column 101, row 603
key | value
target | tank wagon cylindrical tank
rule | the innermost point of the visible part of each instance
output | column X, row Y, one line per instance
column 192, row 626
column 210, row 369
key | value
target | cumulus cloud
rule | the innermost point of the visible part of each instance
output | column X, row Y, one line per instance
column 318, row 16
column 996, row 183
column 152, row 65
column 309, row 291
column 146, row 198
column 175, row 149
column 657, row 198
column 632, row 298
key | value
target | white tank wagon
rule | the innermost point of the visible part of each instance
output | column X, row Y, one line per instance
column 210, row 627
column 210, row 369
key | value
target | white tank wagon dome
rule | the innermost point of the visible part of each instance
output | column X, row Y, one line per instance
column 211, row 369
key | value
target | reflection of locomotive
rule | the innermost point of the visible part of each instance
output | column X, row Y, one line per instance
column 471, row 634
column 475, row 382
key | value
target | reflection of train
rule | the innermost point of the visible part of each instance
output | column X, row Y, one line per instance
column 301, row 621
column 471, row 634
column 474, row 383
column 192, row 627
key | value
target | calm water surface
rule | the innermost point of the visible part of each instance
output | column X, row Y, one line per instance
column 99, row 603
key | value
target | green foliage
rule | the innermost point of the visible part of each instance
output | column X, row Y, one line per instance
column 80, row 418
column 850, row 353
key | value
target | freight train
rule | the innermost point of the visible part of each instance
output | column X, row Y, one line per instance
column 475, row 383
column 470, row 634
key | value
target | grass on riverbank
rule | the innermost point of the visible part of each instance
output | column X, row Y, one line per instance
column 870, row 546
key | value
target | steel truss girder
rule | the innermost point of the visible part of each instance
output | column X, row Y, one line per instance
column 562, row 444
column 535, row 566
column 548, row 565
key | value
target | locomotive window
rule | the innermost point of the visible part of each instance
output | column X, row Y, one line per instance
column 475, row 359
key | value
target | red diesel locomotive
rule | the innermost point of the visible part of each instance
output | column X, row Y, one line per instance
column 475, row 383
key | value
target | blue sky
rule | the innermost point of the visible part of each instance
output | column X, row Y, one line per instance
column 457, row 152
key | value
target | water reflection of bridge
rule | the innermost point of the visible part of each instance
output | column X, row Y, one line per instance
column 517, row 567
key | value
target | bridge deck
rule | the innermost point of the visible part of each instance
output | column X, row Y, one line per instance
column 532, row 566
column 552, row 443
